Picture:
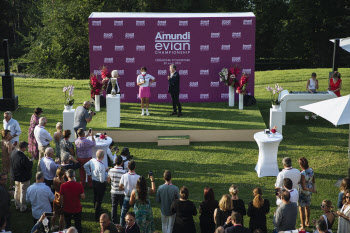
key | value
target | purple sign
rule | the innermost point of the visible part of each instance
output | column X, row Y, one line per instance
column 200, row 45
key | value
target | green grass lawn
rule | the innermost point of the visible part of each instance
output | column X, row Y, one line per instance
column 214, row 164
column 196, row 116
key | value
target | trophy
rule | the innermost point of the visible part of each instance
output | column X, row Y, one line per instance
column 114, row 81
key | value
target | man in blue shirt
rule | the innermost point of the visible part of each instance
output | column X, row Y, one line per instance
column 40, row 196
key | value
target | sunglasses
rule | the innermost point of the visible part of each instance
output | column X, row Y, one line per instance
column 347, row 196
column 322, row 206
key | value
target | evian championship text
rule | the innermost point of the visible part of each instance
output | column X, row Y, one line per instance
column 200, row 45
column 172, row 43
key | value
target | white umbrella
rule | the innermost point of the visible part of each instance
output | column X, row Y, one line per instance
column 336, row 110
column 344, row 43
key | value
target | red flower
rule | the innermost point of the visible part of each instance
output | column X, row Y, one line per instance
column 105, row 73
column 273, row 131
column 102, row 136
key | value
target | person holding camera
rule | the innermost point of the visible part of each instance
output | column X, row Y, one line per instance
column 84, row 153
column 142, row 204
column 288, row 185
column 83, row 116
column 126, row 158
column 69, row 162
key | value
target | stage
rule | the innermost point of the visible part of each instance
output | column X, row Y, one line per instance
column 201, row 122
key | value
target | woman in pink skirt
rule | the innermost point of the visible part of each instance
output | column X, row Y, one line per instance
column 144, row 80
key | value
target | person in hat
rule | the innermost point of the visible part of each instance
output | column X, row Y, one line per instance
column 33, row 145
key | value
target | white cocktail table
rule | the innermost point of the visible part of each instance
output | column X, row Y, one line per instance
column 268, row 148
column 103, row 145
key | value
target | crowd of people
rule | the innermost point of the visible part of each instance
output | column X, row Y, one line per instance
column 55, row 197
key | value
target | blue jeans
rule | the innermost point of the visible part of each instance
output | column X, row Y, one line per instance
column 125, row 209
column 117, row 199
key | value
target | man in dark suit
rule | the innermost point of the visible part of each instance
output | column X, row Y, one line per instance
column 174, row 90
column 236, row 220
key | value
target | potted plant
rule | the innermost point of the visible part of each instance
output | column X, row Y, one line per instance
column 274, row 92
column 69, row 101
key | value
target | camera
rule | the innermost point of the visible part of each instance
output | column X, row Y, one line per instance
column 150, row 173
column 277, row 192
column 49, row 214
column 125, row 152
column 92, row 113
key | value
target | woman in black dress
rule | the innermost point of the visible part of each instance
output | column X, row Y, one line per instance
column 237, row 203
column 225, row 209
column 207, row 208
column 184, row 210
column 257, row 211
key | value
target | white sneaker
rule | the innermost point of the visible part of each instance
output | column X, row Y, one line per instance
column 142, row 114
column 307, row 117
column 147, row 113
column 314, row 117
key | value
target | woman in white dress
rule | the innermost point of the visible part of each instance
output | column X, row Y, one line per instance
column 311, row 86
column 344, row 214
column 143, row 81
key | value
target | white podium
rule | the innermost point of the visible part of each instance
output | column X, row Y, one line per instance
column 268, row 148
column 113, row 110
column 68, row 123
column 276, row 119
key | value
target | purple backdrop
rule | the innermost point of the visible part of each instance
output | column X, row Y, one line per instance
column 200, row 45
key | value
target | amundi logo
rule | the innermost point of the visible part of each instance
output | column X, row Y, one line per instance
column 172, row 42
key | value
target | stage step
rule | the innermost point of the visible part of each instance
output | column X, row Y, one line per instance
column 173, row 140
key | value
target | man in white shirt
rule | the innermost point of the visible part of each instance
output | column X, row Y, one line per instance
column 127, row 183
column 294, row 195
column 49, row 167
column 99, row 177
column 43, row 138
column 288, row 172
column 11, row 124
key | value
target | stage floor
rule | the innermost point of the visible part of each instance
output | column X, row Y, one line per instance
column 196, row 116
column 201, row 122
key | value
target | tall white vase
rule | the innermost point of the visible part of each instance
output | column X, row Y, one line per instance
column 231, row 96
column 97, row 103
column 240, row 105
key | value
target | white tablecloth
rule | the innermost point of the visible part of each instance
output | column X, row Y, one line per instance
column 268, row 148
column 101, row 144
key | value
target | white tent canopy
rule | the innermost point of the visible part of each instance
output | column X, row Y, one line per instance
column 336, row 110
column 344, row 43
